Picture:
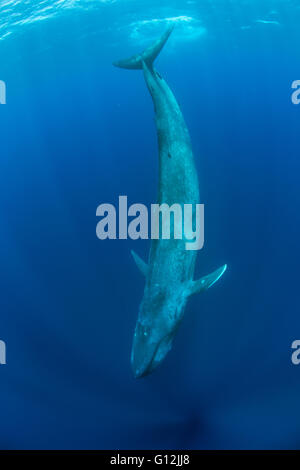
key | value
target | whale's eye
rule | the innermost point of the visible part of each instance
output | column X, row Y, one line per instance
column 158, row 298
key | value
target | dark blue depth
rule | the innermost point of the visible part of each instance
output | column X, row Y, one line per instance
column 76, row 133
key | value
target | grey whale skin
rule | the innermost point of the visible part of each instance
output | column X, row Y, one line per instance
column 170, row 268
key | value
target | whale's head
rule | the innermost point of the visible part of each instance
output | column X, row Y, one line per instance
column 159, row 318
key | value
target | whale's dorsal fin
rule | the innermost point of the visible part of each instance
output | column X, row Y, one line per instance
column 143, row 267
column 207, row 281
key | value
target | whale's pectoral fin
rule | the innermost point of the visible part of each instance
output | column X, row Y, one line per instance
column 143, row 267
column 207, row 281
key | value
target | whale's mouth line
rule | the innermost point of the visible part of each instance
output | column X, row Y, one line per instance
column 156, row 357
column 142, row 372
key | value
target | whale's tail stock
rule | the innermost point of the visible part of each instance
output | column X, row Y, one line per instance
column 148, row 56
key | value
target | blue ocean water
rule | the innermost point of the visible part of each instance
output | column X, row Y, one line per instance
column 75, row 133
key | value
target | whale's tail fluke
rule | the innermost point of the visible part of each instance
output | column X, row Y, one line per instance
column 148, row 56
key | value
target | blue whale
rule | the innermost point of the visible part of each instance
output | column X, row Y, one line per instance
column 169, row 272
